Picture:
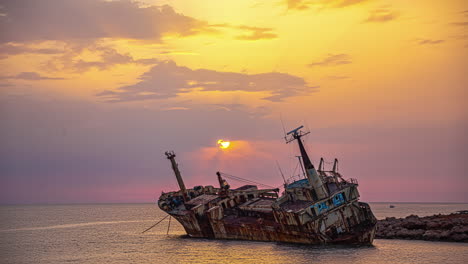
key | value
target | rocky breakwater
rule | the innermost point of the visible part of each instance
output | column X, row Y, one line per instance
column 452, row 227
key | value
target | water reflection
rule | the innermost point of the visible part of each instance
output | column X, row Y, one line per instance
column 112, row 234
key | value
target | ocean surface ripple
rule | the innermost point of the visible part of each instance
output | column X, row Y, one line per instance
column 112, row 233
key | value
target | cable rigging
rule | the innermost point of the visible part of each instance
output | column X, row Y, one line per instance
column 232, row 177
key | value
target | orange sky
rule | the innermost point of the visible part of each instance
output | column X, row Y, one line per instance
column 93, row 92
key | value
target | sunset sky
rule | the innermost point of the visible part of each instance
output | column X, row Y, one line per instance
column 92, row 93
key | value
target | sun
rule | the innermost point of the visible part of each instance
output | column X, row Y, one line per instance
column 223, row 144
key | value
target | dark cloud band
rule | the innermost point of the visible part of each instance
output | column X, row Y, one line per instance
column 167, row 79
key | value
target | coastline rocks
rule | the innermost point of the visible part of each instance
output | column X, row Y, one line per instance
column 453, row 227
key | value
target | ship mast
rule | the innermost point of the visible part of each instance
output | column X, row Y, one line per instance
column 318, row 188
column 171, row 156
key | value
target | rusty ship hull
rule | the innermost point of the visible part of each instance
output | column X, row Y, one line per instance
column 321, row 208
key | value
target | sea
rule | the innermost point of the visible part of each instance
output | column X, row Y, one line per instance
column 112, row 233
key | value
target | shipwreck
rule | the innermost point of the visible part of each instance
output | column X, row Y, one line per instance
column 321, row 207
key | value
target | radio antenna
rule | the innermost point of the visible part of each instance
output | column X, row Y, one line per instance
column 282, row 175
column 282, row 124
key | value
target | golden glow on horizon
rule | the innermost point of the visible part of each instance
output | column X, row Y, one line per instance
column 223, row 144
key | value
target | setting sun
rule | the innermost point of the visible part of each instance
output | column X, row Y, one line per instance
column 223, row 144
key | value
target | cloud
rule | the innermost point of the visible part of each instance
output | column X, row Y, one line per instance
column 459, row 24
column 332, row 60
column 70, row 55
column 305, row 4
column 297, row 4
column 249, row 32
column 166, row 80
column 30, row 76
column 345, row 3
column 6, row 84
column 430, row 41
column 175, row 108
column 381, row 15
column 56, row 149
column 107, row 57
column 79, row 25
column 337, row 77
column 31, row 20
column 460, row 37
column 8, row 49
column 175, row 52
column 256, row 33
column 53, row 145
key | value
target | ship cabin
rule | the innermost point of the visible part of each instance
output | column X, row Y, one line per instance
column 300, row 195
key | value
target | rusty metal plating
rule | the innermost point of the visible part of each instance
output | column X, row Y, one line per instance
column 319, row 209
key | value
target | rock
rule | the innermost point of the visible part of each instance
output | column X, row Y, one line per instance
column 453, row 227
column 412, row 217
column 431, row 235
column 390, row 235
column 445, row 235
column 460, row 237
column 414, row 224
column 433, row 225
column 413, row 234
column 460, row 229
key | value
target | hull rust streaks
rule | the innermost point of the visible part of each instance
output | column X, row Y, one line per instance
column 320, row 208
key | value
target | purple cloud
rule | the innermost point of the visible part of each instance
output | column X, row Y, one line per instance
column 332, row 60
column 30, row 20
column 430, row 41
column 8, row 49
column 166, row 80
column 30, row 76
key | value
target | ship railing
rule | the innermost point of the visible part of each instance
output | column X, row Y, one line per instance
column 353, row 181
column 294, row 178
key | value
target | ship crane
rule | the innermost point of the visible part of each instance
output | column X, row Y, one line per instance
column 175, row 167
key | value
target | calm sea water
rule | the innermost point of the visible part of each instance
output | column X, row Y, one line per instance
column 111, row 233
